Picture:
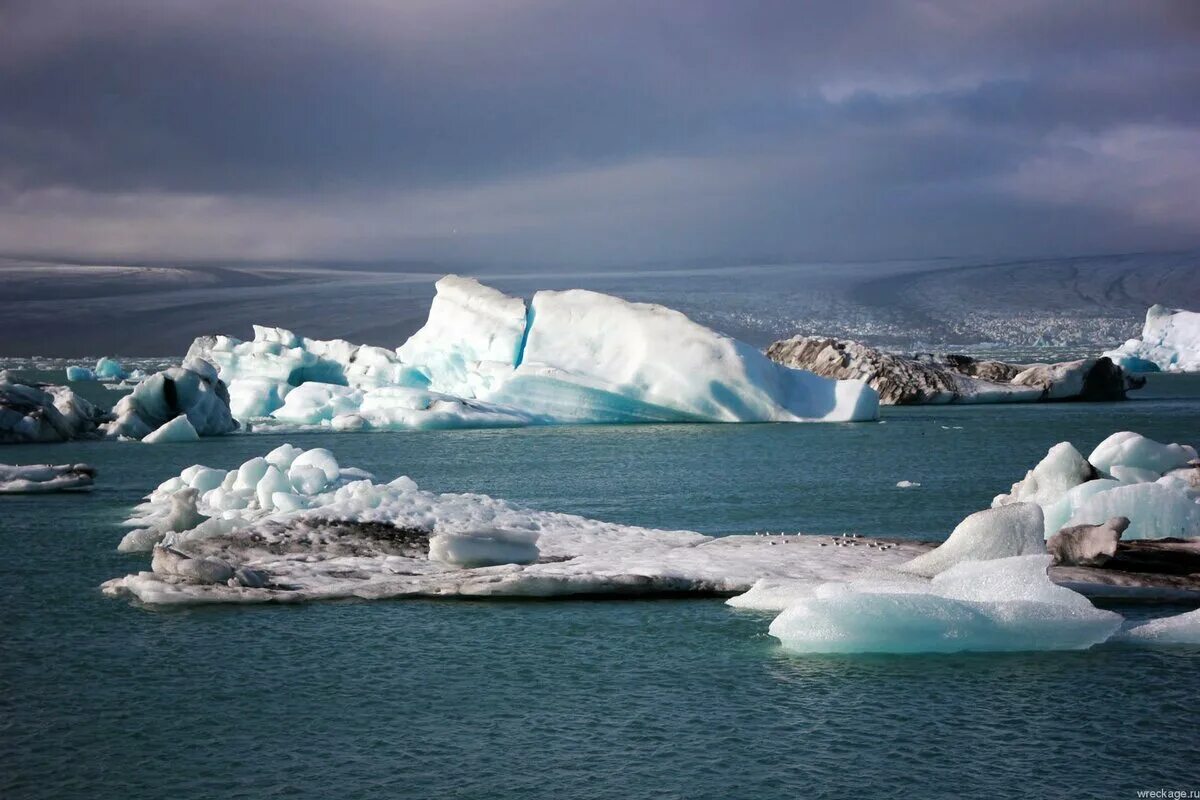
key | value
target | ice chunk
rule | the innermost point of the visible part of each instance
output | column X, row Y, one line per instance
column 272, row 483
column 256, row 397
column 192, row 390
column 1129, row 449
column 1170, row 341
column 109, row 369
column 177, row 430
column 283, row 456
column 250, row 473
column 773, row 594
column 1177, row 629
column 1010, row 530
column 907, row 485
column 1154, row 510
column 1061, row 470
column 77, row 373
column 44, row 413
column 38, row 478
column 472, row 340
column 180, row 514
column 1002, row 604
column 484, row 548
column 202, row 478
column 320, row 458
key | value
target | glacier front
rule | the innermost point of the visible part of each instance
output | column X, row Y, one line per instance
column 484, row 358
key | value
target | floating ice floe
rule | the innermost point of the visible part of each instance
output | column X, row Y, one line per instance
column 992, row 605
column 907, row 485
column 106, row 369
column 44, row 413
column 307, row 528
column 1156, row 486
column 177, row 404
column 487, row 359
column 38, row 478
column 1170, row 342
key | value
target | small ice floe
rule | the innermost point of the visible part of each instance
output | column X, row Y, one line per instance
column 36, row 478
column 907, row 484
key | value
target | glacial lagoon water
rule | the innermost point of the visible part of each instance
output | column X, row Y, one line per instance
column 579, row 699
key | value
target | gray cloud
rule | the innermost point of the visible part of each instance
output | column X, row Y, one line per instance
column 596, row 132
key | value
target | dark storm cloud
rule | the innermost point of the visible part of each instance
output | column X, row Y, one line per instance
column 594, row 131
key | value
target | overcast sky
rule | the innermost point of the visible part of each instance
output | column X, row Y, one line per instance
column 621, row 131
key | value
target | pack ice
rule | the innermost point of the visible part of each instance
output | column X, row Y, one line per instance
column 1170, row 342
column 484, row 358
column 1156, row 486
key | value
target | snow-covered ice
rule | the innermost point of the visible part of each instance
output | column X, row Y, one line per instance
column 1155, row 485
column 37, row 478
column 484, row 359
column 1170, row 342
column 309, row 528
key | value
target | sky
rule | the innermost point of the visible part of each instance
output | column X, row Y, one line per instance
column 596, row 133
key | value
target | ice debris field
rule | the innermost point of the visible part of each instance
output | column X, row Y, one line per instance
column 294, row 525
column 484, row 358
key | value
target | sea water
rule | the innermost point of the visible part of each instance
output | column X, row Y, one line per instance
column 100, row 697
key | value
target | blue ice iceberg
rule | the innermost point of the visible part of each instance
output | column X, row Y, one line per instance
column 487, row 359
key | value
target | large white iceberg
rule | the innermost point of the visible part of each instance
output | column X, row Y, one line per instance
column 485, row 359
column 990, row 605
column 1170, row 342
column 1156, row 486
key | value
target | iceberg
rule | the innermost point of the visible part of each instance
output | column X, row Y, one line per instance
column 1170, row 342
column 44, row 413
column 950, row 378
column 484, row 358
column 1155, row 486
column 38, row 478
column 192, row 393
column 1006, row 604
